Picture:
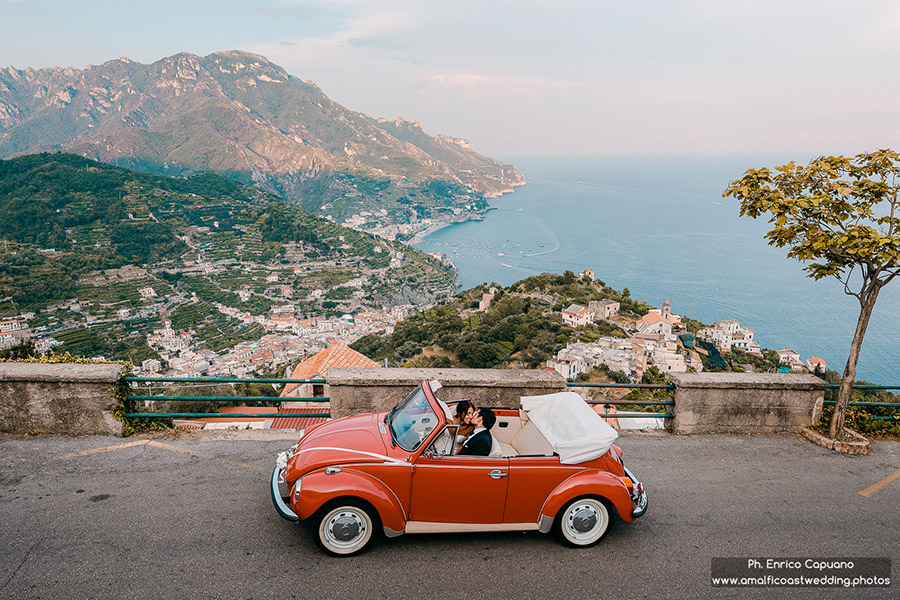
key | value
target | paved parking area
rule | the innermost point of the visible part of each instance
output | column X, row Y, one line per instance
column 190, row 517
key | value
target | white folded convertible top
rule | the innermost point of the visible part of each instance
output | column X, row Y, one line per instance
column 570, row 425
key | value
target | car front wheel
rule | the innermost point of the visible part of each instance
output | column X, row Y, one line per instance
column 345, row 527
column 582, row 522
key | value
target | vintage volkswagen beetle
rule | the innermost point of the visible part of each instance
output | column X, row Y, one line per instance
column 553, row 467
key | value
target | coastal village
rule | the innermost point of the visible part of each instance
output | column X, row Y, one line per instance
column 286, row 340
column 658, row 338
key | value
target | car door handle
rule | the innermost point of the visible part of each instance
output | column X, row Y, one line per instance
column 496, row 474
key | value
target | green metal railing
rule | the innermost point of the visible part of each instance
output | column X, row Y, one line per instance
column 637, row 414
column 835, row 386
column 321, row 399
column 195, row 415
column 632, row 414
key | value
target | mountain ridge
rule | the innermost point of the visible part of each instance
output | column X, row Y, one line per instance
column 238, row 114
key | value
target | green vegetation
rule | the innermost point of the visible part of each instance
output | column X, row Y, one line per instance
column 74, row 231
column 520, row 329
column 839, row 215
column 857, row 417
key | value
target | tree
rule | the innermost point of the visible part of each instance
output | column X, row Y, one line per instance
column 839, row 215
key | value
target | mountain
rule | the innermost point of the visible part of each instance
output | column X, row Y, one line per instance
column 239, row 115
column 81, row 241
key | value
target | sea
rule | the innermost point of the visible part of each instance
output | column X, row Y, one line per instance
column 660, row 227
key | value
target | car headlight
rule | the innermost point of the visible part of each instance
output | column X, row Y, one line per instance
column 297, row 490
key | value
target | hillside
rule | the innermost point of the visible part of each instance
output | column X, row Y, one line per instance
column 522, row 328
column 81, row 242
column 239, row 115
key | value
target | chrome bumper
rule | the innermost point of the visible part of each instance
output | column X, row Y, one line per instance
column 641, row 502
column 280, row 505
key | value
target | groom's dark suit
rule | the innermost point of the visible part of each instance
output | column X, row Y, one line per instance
column 478, row 445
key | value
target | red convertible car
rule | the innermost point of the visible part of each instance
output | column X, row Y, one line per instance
column 553, row 467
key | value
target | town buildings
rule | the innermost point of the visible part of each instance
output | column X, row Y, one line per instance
column 576, row 316
column 730, row 335
column 654, row 343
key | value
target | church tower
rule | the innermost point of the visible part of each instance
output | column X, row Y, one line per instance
column 666, row 310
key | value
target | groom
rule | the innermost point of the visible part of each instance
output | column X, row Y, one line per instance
column 480, row 441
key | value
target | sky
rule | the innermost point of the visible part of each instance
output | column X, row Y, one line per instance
column 523, row 77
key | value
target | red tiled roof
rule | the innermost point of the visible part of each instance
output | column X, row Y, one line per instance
column 651, row 318
column 298, row 422
column 336, row 355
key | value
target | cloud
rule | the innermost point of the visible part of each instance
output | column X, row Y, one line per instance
column 302, row 12
column 509, row 83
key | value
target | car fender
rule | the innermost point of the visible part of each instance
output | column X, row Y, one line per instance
column 324, row 485
column 589, row 483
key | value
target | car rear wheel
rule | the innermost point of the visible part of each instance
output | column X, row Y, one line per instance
column 345, row 527
column 582, row 522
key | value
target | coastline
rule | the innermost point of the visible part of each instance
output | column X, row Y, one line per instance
column 420, row 236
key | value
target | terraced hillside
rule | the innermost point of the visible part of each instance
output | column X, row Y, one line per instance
column 103, row 254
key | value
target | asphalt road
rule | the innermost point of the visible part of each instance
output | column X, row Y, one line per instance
column 192, row 518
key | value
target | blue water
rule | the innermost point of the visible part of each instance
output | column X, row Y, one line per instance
column 660, row 227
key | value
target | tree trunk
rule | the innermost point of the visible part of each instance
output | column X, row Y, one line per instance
column 840, row 408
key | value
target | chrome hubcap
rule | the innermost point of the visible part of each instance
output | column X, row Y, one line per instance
column 345, row 529
column 584, row 520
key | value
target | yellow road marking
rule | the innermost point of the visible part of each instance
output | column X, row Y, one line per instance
column 877, row 487
column 105, row 449
column 159, row 445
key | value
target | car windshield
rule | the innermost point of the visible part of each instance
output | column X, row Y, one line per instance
column 412, row 421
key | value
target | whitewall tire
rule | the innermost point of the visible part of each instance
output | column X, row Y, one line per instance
column 582, row 522
column 345, row 527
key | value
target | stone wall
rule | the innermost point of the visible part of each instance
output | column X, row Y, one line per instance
column 63, row 399
column 71, row 399
column 359, row 390
column 746, row 402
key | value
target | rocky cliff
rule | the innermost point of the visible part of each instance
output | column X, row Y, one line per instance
column 233, row 113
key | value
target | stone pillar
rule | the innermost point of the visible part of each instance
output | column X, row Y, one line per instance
column 60, row 398
column 355, row 390
column 746, row 402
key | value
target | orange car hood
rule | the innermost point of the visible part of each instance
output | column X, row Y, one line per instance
column 353, row 439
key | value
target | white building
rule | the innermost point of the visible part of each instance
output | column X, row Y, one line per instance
column 788, row 356
column 815, row 362
column 151, row 365
column 12, row 325
column 570, row 368
column 668, row 362
column 655, row 323
column 729, row 335
column 576, row 316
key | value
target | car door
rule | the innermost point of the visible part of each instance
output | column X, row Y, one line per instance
column 531, row 480
column 448, row 488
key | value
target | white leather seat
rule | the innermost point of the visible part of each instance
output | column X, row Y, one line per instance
column 507, row 449
column 529, row 441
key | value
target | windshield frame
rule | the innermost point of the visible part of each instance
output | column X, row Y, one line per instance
column 423, row 397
